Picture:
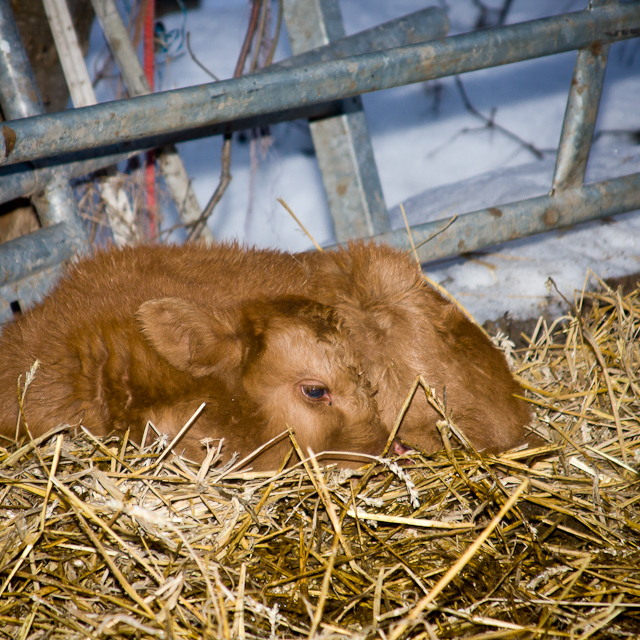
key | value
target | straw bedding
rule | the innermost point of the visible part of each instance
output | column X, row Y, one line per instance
column 99, row 539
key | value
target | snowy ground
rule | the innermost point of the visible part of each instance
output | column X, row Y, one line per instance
column 425, row 139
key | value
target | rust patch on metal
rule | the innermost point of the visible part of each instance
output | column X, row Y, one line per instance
column 460, row 246
column 341, row 189
column 495, row 212
column 551, row 217
column 10, row 138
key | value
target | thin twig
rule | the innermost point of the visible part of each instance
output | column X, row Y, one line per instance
column 408, row 228
column 225, row 161
column 492, row 124
column 225, row 180
column 195, row 59
column 438, row 232
column 276, row 35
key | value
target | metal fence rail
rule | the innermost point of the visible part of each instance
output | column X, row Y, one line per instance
column 31, row 260
column 134, row 119
column 478, row 229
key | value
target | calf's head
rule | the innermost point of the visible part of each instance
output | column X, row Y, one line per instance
column 264, row 366
column 404, row 328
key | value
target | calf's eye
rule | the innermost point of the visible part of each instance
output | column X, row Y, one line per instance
column 315, row 392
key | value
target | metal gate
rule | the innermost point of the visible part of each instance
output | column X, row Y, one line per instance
column 320, row 82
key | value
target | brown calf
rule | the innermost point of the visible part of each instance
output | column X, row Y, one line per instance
column 327, row 343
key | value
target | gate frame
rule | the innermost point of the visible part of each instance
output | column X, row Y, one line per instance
column 312, row 88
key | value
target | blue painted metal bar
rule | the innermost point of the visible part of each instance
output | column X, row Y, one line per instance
column 451, row 236
column 228, row 100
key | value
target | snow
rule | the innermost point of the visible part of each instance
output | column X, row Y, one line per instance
column 425, row 139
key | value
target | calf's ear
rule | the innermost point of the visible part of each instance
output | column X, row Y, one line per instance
column 190, row 338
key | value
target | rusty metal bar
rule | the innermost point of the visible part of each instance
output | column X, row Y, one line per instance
column 452, row 236
column 193, row 107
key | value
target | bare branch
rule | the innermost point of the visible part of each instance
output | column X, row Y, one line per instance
column 490, row 123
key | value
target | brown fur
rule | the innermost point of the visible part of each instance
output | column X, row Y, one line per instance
column 402, row 327
column 149, row 333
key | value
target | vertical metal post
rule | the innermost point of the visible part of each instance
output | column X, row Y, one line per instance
column 580, row 115
column 342, row 143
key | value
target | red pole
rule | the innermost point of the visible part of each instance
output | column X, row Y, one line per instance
column 149, row 71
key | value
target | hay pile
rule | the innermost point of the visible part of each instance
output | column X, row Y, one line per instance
column 101, row 540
